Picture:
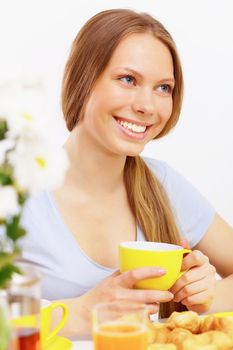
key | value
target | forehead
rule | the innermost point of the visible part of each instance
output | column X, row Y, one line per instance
column 142, row 52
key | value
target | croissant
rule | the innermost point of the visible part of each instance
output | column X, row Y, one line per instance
column 190, row 344
column 188, row 331
column 177, row 337
column 220, row 340
column 161, row 347
column 158, row 333
column 209, row 323
column 225, row 325
column 187, row 319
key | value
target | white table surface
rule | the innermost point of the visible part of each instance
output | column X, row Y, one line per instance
column 82, row 345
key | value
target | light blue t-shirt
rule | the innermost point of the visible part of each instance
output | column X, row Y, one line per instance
column 67, row 271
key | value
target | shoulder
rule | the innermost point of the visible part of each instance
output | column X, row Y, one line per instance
column 162, row 170
column 172, row 180
column 177, row 186
column 192, row 210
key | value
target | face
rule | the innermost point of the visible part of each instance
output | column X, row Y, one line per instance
column 132, row 99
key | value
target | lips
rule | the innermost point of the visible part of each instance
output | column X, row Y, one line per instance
column 133, row 126
column 132, row 129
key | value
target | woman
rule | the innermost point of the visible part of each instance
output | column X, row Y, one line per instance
column 122, row 87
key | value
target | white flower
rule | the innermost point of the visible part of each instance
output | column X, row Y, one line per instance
column 24, row 125
column 8, row 202
column 38, row 165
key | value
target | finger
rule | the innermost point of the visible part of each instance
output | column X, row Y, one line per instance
column 193, row 275
column 193, row 288
column 145, row 296
column 204, row 298
column 150, row 296
column 195, row 258
column 200, row 308
column 129, row 278
column 184, row 243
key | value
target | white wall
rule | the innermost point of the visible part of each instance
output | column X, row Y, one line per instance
column 35, row 38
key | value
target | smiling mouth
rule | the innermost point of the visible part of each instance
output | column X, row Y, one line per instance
column 133, row 127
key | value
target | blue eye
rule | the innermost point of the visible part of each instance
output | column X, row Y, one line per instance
column 165, row 88
column 128, row 79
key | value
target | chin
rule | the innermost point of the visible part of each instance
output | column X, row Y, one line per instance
column 133, row 152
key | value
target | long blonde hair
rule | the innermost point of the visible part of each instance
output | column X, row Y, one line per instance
column 89, row 56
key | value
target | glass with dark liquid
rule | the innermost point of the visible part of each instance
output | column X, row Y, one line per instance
column 28, row 338
column 24, row 295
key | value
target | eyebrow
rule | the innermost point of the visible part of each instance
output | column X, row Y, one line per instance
column 166, row 80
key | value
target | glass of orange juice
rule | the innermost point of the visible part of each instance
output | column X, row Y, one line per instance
column 120, row 325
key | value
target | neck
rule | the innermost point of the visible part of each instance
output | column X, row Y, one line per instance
column 91, row 170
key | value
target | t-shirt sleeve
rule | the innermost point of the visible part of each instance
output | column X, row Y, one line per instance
column 192, row 210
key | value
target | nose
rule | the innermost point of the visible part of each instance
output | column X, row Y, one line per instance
column 144, row 102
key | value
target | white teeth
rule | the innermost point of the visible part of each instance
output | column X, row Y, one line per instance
column 132, row 127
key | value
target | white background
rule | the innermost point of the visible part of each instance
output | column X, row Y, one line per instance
column 35, row 38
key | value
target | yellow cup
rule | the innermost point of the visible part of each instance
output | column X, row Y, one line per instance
column 167, row 256
column 47, row 334
column 46, row 316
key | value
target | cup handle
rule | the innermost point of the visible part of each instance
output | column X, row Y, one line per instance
column 62, row 322
column 184, row 251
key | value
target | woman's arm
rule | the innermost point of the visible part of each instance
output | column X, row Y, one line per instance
column 217, row 244
column 118, row 286
column 198, row 289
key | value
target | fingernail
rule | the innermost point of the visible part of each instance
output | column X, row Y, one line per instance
column 161, row 271
column 171, row 295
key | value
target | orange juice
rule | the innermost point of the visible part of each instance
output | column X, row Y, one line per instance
column 120, row 336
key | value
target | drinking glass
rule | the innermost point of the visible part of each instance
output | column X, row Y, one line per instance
column 7, row 336
column 24, row 293
column 120, row 325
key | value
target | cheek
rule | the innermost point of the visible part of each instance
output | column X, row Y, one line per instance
column 165, row 110
column 104, row 97
column 97, row 111
column 94, row 105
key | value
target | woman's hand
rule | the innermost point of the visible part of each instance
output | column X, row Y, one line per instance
column 196, row 287
column 119, row 286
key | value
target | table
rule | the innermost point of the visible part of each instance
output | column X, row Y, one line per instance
column 82, row 345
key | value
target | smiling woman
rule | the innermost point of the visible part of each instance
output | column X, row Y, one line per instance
column 123, row 87
column 140, row 103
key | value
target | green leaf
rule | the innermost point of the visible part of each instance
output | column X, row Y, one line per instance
column 5, row 179
column 6, row 273
column 22, row 197
column 3, row 128
column 13, row 229
column 7, row 258
column 6, row 174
